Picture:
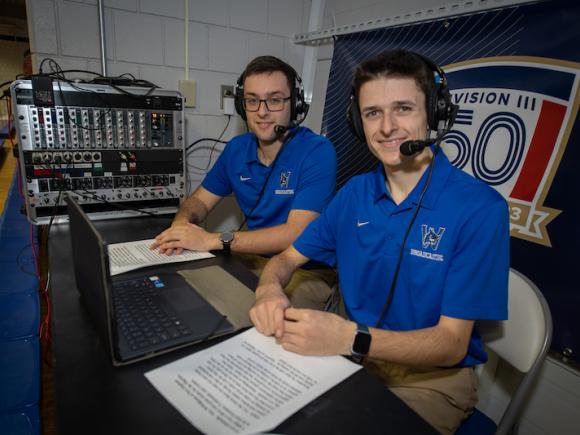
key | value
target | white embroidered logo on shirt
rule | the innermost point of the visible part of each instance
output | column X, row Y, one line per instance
column 362, row 224
column 284, row 179
column 242, row 178
column 430, row 239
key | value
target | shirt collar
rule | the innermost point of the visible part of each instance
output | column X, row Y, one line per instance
column 379, row 183
column 441, row 172
column 252, row 149
column 439, row 177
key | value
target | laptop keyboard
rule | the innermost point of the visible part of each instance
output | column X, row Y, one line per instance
column 142, row 316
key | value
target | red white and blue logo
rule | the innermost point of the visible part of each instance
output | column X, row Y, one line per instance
column 515, row 118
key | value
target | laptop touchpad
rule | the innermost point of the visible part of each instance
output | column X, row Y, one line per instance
column 180, row 295
column 184, row 299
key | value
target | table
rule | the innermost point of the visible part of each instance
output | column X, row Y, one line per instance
column 93, row 397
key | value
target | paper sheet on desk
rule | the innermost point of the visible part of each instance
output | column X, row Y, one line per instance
column 124, row 257
column 247, row 384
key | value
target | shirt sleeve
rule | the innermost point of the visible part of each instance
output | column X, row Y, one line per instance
column 217, row 180
column 318, row 240
column 317, row 179
column 477, row 281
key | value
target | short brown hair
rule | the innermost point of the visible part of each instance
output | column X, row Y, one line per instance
column 395, row 63
column 270, row 64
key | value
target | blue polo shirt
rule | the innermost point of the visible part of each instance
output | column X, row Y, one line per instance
column 456, row 258
column 304, row 177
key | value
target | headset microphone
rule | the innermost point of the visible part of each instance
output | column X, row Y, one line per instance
column 280, row 129
column 410, row 147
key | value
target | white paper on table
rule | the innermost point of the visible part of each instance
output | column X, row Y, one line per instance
column 246, row 384
column 127, row 256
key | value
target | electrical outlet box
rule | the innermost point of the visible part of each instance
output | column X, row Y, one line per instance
column 225, row 92
column 187, row 89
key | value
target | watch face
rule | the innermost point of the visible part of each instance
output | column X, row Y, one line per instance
column 362, row 343
column 227, row 237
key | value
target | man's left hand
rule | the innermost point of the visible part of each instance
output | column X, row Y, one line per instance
column 312, row 332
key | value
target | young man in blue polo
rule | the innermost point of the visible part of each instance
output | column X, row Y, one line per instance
column 422, row 251
column 282, row 177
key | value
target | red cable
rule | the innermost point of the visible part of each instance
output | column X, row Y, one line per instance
column 19, row 180
column 34, row 254
column 44, row 329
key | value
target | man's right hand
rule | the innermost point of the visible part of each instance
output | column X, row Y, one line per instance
column 166, row 234
column 192, row 211
column 267, row 314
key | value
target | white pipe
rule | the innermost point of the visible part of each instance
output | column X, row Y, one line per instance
column 102, row 38
column 186, row 39
column 458, row 8
column 310, row 52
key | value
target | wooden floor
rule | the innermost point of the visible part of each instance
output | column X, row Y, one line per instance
column 7, row 168
column 47, row 397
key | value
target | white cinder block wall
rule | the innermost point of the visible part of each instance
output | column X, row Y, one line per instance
column 146, row 38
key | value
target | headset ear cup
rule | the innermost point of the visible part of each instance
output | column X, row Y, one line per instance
column 439, row 105
column 239, row 96
column 432, row 110
column 294, row 103
column 445, row 107
column 354, row 120
column 239, row 107
column 301, row 106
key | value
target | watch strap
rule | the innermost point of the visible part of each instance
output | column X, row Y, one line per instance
column 227, row 238
column 361, row 343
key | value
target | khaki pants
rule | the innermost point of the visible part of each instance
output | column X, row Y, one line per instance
column 310, row 288
column 443, row 397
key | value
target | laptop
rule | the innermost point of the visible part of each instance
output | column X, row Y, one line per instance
column 141, row 314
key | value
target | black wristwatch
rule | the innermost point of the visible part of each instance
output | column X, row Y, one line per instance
column 361, row 343
column 227, row 238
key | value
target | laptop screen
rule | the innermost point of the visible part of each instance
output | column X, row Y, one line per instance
column 91, row 266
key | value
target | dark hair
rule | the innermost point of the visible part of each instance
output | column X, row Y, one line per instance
column 395, row 63
column 270, row 64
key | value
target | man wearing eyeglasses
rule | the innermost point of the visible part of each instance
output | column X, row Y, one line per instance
column 282, row 176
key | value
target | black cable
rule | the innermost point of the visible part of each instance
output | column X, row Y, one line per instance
column 204, row 139
column 5, row 83
column 213, row 148
column 99, row 79
column 62, row 186
column 53, row 214
column 19, row 261
column 210, row 138
column 391, row 292
column 58, row 74
column 216, row 141
column 60, row 77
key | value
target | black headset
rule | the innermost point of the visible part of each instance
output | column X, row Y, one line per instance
column 298, row 106
column 439, row 105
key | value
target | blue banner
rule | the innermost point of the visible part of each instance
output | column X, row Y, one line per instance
column 515, row 74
